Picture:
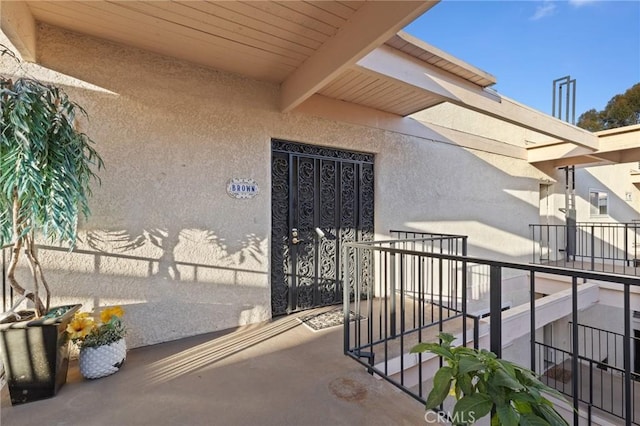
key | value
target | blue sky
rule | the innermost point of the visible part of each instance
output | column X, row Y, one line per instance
column 528, row 44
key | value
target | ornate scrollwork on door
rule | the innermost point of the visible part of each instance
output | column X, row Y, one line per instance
column 327, row 286
column 326, row 195
column 366, row 228
column 305, row 260
column 280, row 254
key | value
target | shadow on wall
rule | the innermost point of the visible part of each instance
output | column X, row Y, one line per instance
column 491, row 198
column 116, row 244
column 619, row 209
column 150, row 244
column 165, row 298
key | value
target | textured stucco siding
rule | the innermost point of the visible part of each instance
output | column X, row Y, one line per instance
column 615, row 179
column 168, row 243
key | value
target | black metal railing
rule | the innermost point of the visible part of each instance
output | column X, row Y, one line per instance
column 602, row 345
column 601, row 356
column 601, row 386
column 410, row 298
column 429, row 290
column 430, row 241
column 607, row 247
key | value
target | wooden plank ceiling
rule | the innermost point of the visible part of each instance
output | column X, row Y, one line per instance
column 436, row 57
column 264, row 40
column 378, row 92
column 358, row 86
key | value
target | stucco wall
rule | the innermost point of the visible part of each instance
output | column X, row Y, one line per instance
column 168, row 243
column 615, row 179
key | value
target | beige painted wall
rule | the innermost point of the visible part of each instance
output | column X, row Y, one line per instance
column 615, row 179
column 167, row 242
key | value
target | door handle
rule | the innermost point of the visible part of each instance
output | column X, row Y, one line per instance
column 294, row 237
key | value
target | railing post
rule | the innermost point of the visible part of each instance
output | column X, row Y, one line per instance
column 440, row 310
column 464, row 293
column 533, row 243
column 345, row 297
column 575, row 378
column 589, row 408
column 495, row 310
column 627, row 356
column 532, row 302
column 476, row 333
column 593, row 248
column 626, row 243
column 392, row 273
column 635, row 244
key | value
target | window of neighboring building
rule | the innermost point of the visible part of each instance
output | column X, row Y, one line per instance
column 599, row 201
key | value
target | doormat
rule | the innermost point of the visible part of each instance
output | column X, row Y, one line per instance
column 332, row 318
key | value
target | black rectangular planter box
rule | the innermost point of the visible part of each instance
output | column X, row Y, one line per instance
column 36, row 356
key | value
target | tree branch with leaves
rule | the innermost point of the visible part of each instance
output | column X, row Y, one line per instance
column 46, row 168
column 621, row 110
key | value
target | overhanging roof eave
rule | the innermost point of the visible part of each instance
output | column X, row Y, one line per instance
column 398, row 66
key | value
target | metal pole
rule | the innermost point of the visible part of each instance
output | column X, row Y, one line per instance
column 560, row 101
column 440, row 310
column 393, row 292
column 533, row 243
column 573, row 106
column 628, row 399
column 476, row 333
column 464, row 292
column 402, row 317
column 590, row 391
column 495, row 310
column 593, row 248
column 532, row 301
column 575, row 381
column 553, row 102
column 345, row 298
column 626, row 243
column 566, row 115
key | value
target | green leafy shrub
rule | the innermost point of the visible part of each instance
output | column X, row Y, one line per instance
column 481, row 382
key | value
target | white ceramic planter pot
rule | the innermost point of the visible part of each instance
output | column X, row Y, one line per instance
column 103, row 360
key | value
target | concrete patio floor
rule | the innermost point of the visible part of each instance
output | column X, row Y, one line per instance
column 274, row 373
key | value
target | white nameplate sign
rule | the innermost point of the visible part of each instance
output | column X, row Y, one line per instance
column 242, row 188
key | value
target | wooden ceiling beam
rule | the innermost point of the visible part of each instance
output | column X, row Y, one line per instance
column 373, row 24
column 620, row 145
column 19, row 26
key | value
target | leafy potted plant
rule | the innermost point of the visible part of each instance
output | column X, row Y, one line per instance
column 46, row 167
column 482, row 383
column 103, row 349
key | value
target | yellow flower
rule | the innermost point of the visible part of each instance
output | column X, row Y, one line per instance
column 452, row 391
column 80, row 326
column 108, row 313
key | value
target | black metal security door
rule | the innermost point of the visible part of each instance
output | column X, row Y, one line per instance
column 320, row 198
